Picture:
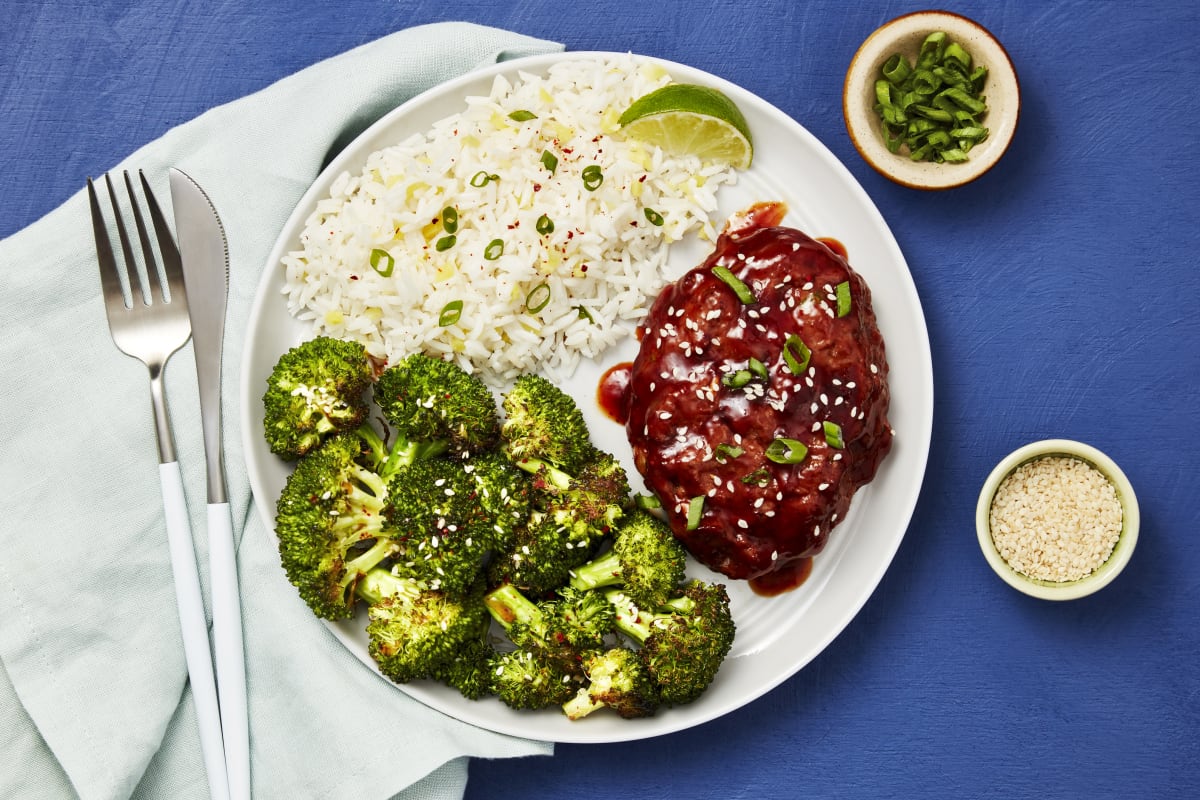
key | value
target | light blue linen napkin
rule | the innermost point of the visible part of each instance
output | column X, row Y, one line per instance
column 93, row 695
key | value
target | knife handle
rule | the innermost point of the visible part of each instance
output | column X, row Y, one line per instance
column 194, row 627
column 229, row 649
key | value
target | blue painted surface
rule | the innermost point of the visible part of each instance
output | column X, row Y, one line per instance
column 1060, row 293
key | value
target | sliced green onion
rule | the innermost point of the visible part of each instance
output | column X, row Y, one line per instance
column 646, row 501
column 760, row 477
column 481, row 178
column 957, row 56
column 445, row 243
column 941, row 91
column 733, row 282
column 451, row 313
column 759, row 369
column 932, row 49
column 593, row 176
column 796, row 354
column 450, row 219
column 786, row 451
column 842, row 290
column 723, row 452
column 736, row 380
column 382, row 262
column 544, row 225
column 896, row 69
column 538, row 298
column 522, row 115
column 494, row 250
column 833, row 435
column 694, row 512
column 654, row 217
column 549, row 161
column 965, row 101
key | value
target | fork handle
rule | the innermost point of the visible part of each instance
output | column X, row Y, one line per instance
column 194, row 628
column 229, row 649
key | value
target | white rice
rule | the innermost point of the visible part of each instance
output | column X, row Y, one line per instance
column 600, row 265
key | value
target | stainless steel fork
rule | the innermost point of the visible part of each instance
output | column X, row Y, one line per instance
column 150, row 325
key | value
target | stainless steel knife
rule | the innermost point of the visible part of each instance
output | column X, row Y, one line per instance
column 205, row 255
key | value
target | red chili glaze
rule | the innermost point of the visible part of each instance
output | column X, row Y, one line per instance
column 759, row 516
column 837, row 247
column 613, row 393
column 791, row 575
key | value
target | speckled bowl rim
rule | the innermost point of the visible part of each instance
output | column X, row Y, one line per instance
column 1105, row 573
column 1002, row 90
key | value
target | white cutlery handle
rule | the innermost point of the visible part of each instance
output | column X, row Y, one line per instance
column 194, row 628
column 229, row 649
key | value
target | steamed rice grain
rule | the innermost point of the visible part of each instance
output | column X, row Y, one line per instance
column 599, row 266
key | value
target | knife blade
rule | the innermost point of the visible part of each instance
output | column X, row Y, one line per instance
column 204, row 251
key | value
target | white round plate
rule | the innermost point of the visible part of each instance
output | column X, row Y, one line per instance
column 776, row 636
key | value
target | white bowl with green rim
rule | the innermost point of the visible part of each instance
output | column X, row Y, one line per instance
column 1102, row 575
column 904, row 35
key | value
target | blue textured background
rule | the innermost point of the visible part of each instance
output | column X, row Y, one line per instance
column 1060, row 292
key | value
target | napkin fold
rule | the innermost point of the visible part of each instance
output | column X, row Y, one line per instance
column 93, row 692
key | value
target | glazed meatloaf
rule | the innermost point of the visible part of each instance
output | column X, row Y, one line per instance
column 758, row 400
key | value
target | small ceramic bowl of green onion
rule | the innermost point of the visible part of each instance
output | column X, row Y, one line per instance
column 931, row 100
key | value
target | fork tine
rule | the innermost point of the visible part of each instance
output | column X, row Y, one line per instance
column 172, row 264
column 136, row 290
column 110, row 279
column 152, row 274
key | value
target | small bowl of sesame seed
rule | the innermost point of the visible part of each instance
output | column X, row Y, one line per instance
column 1057, row 519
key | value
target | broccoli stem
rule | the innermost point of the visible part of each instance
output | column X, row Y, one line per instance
column 640, row 623
column 581, row 705
column 552, row 474
column 602, row 571
column 509, row 607
column 388, row 461
column 377, row 584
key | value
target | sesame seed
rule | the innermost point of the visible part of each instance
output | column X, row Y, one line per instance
column 1056, row 518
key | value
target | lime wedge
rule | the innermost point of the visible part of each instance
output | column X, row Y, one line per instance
column 685, row 119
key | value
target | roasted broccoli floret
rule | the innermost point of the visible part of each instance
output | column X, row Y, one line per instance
column 526, row 679
column 645, row 559
column 470, row 671
column 541, row 556
column 617, row 679
column 570, row 517
column 415, row 631
column 585, row 618
column 329, row 520
column 315, row 390
column 588, row 503
column 543, row 422
column 425, row 398
column 534, row 626
column 684, row 642
column 442, row 532
column 546, row 668
column 503, row 493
